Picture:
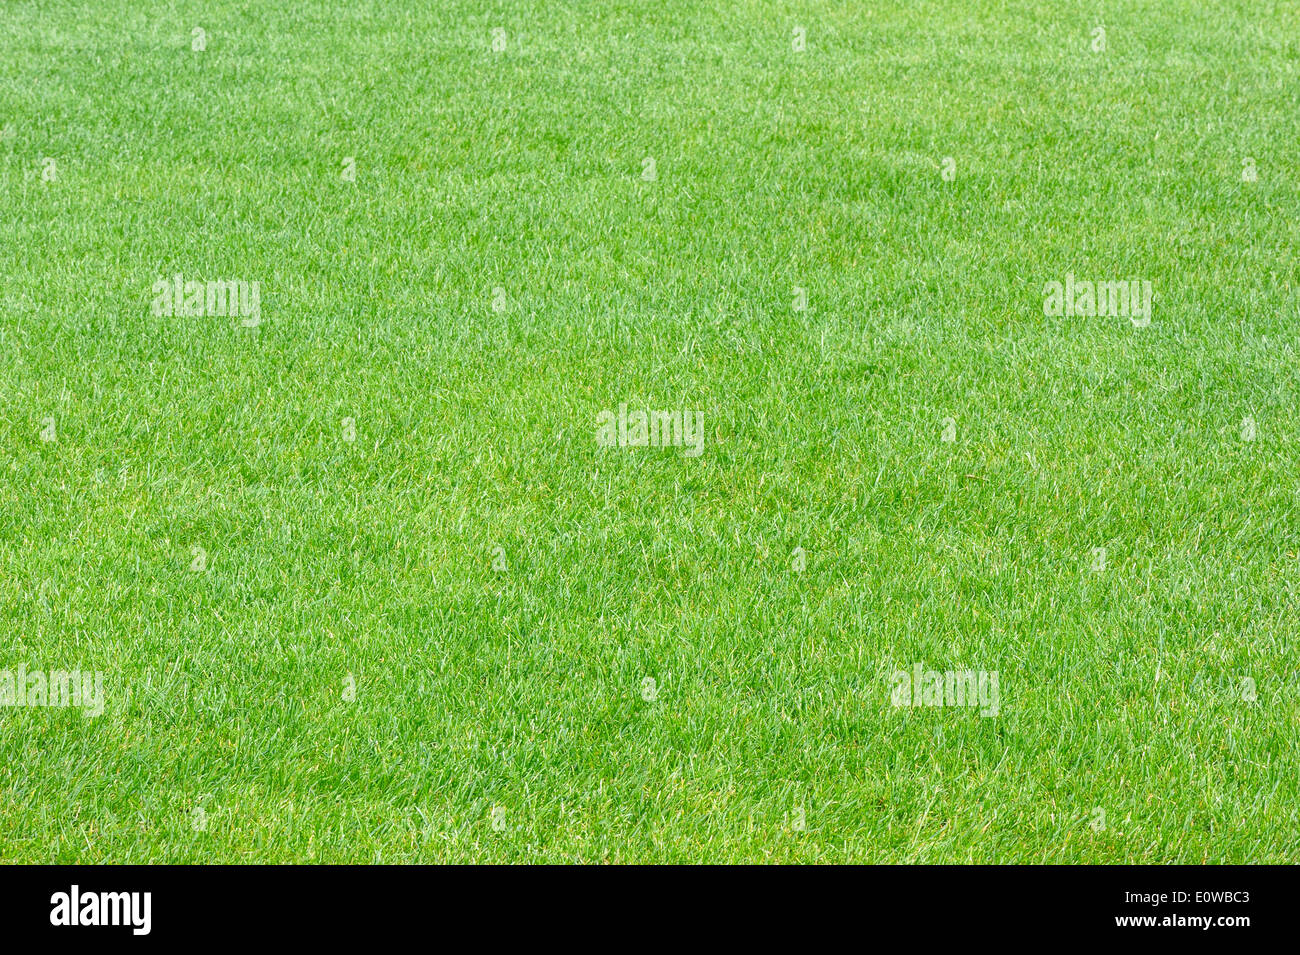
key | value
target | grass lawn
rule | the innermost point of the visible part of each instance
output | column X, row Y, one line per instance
column 365, row 582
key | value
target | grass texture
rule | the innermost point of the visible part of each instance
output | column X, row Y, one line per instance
column 364, row 586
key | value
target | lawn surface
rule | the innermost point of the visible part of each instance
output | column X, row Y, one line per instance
column 362, row 583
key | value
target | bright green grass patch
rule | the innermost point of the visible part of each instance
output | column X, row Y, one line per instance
column 352, row 677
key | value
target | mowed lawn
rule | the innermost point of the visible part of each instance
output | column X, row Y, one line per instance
column 361, row 581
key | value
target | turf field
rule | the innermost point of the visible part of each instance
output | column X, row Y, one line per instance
column 669, row 432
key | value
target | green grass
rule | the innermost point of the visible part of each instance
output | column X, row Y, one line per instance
column 372, row 561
